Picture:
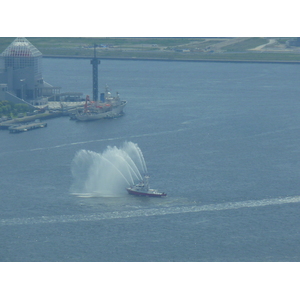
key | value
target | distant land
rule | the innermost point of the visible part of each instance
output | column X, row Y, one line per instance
column 243, row 49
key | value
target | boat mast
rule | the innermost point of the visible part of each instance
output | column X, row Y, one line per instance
column 146, row 182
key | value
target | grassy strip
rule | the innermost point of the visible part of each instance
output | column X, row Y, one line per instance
column 63, row 42
column 246, row 45
column 137, row 48
column 277, row 57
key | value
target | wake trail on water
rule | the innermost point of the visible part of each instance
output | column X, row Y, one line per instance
column 96, row 141
column 147, row 212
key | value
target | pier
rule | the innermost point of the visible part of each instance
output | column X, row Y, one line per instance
column 27, row 119
column 25, row 127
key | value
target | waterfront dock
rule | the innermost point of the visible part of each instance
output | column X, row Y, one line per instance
column 27, row 119
column 25, row 127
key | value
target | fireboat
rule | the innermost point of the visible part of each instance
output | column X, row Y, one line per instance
column 142, row 189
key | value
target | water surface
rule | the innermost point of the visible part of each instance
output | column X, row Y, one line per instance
column 222, row 139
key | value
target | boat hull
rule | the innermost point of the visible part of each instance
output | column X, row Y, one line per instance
column 145, row 194
column 91, row 116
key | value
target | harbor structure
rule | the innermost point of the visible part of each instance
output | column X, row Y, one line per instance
column 95, row 62
column 21, row 79
column 25, row 127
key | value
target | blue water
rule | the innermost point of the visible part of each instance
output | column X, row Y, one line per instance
column 221, row 139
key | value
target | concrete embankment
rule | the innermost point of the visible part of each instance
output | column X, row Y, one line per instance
column 180, row 60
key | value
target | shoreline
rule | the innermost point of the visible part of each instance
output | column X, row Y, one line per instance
column 175, row 60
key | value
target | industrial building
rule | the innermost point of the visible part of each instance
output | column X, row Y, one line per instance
column 21, row 79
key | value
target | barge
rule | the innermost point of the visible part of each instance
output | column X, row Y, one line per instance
column 25, row 127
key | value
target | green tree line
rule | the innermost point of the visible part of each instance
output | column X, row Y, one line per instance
column 11, row 109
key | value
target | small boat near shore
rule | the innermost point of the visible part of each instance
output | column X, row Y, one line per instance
column 142, row 189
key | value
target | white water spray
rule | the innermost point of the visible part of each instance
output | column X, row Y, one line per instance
column 107, row 173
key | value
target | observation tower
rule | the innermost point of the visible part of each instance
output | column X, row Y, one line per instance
column 95, row 62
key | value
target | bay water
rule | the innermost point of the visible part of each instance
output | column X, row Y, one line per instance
column 221, row 139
